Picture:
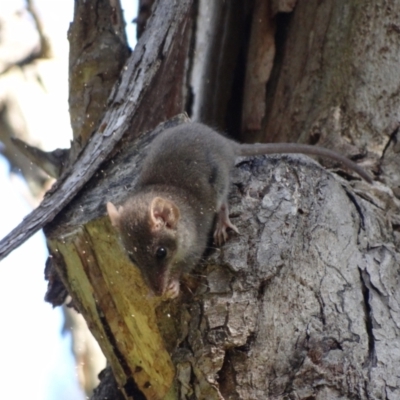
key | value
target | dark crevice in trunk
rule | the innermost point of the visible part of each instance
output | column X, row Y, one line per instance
column 282, row 27
column 233, row 117
column 358, row 208
column 365, row 283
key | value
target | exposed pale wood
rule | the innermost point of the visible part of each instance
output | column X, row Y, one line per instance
column 296, row 292
column 112, row 297
column 107, row 289
column 304, row 302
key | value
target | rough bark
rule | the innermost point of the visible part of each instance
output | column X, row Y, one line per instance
column 295, row 300
column 304, row 302
column 157, row 57
column 335, row 83
column 105, row 288
column 92, row 73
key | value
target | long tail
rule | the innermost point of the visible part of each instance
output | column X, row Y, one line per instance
column 296, row 148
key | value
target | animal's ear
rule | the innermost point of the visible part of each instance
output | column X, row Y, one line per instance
column 114, row 214
column 163, row 212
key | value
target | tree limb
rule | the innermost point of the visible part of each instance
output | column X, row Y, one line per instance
column 151, row 53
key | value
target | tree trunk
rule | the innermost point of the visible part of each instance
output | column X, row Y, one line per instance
column 304, row 302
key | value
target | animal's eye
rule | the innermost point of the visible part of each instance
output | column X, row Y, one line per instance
column 161, row 253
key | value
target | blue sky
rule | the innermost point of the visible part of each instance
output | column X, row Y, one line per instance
column 32, row 348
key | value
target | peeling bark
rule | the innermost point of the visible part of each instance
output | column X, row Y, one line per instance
column 304, row 302
column 298, row 298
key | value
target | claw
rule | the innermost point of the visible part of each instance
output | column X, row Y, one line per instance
column 223, row 223
column 172, row 291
